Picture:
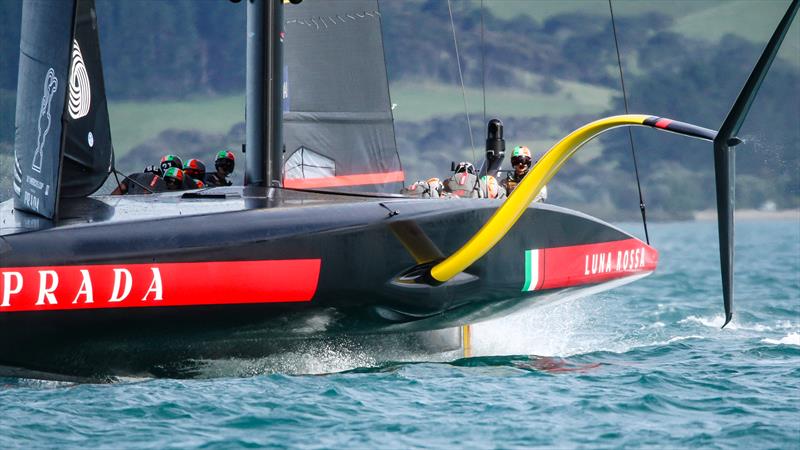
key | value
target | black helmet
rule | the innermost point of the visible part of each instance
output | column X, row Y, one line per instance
column 168, row 161
column 195, row 169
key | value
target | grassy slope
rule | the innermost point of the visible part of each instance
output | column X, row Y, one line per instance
column 707, row 19
column 423, row 101
column 135, row 122
column 729, row 18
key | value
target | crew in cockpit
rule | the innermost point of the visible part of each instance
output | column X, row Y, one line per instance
column 150, row 180
column 463, row 182
column 490, row 188
column 140, row 183
column 522, row 163
column 167, row 161
column 430, row 188
column 224, row 164
column 174, row 179
column 195, row 172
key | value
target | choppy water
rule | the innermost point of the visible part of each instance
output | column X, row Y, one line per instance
column 643, row 366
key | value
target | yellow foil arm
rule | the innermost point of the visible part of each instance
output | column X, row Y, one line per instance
column 507, row 215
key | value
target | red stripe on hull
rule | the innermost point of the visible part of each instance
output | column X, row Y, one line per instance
column 161, row 284
column 595, row 263
column 541, row 265
column 345, row 180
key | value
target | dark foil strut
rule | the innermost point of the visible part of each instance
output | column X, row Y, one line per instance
column 683, row 128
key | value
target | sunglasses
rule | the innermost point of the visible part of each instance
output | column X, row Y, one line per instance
column 520, row 160
column 226, row 165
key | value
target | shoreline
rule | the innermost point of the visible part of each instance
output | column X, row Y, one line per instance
column 751, row 214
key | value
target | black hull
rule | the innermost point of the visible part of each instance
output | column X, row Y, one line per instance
column 354, row 239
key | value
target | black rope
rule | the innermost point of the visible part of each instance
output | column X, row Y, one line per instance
column 114, row 171
column 630, row 133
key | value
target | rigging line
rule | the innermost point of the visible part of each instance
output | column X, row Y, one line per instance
column 132, row 181
column 630, row 132
column 114, row 171
column 461, row 78
column 483, row 67
column 483, row 83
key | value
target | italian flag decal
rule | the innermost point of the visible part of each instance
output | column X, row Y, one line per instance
column 532, row 265
column 558, row 267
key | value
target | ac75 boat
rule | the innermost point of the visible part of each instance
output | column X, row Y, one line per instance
column 314, row 244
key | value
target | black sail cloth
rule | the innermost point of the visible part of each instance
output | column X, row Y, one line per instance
column 62, row 145
column 338, row 130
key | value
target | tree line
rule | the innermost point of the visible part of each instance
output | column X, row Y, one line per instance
column 182, row 48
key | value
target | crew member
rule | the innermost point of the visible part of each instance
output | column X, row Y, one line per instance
column 140, row 183
column 430, row 188
column 224, row 163
column 150, row 180
column 490, row 188
column 195, row 172
column 174, row 179
column 522, row 162
column 464, row 182
column 167, row 161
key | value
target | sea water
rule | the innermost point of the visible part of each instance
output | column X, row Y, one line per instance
column 645, row 365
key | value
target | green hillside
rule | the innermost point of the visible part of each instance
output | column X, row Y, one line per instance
column 703, row 19
column 545, row 9
column 134, row 122
column 751, row 20
column 417, row 102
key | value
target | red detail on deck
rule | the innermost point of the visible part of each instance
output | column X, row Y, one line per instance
column 345, row 180
column 594, row 263
column 663, row 123
column 157, row 284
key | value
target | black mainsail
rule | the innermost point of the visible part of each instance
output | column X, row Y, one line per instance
column 338, row 130
column 63, row 142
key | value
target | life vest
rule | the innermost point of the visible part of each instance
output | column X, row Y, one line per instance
column 490, row 188
column 511, row 182
column 463, row 184
column 430, row 188
column 213, row 180
column 137, row 182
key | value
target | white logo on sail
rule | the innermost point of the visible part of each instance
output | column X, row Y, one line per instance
column 80, row 93
column 43, row 124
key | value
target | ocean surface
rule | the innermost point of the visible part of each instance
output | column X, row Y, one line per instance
column 645, row 365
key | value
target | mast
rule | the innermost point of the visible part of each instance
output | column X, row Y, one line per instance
column 264, row 112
